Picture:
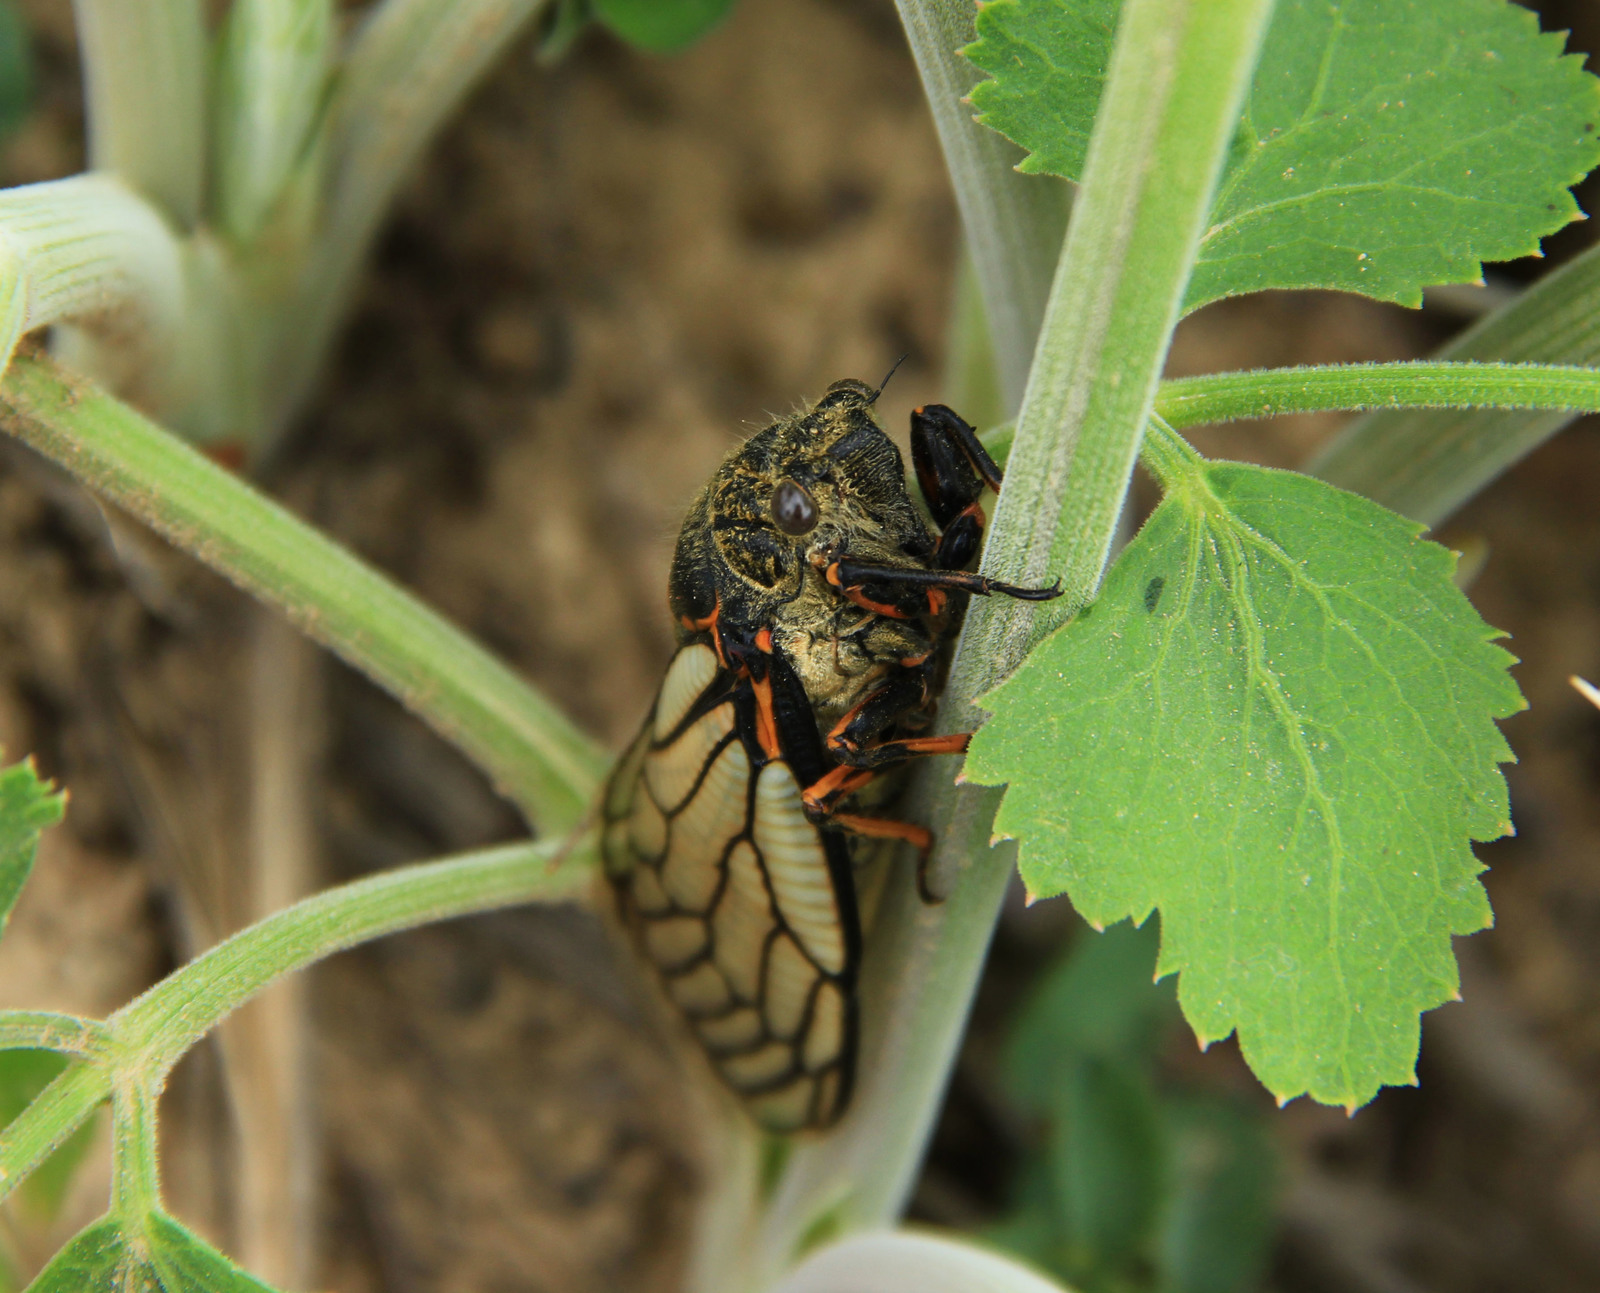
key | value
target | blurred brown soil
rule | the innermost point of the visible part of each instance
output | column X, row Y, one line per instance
column 605, row 273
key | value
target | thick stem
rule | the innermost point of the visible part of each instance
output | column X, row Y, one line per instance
column 1268, row 392
column 1178, row 74
column 144, row 64
column 1014, row 223
column 535, row 756
column 272, row 67
column 410, row 65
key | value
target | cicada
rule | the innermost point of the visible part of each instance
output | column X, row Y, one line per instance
column 812, row 598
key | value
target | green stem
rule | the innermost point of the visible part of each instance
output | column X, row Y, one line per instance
column 1427, row 463
column 145, row 72
column 1178, row 75
column 161, row 1025
column 1170, row 458
column 411, row 63
column 48, row 1031
column 43, row 1127
column 151, row 1033
column 535, row 756
column 1014, row 223
column 89, row 245
column 1268, row 392
column 135, row 1159
column 1155, row 158
column 271, row 72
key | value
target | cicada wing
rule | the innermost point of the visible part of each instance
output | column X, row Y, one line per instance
column 730, row 893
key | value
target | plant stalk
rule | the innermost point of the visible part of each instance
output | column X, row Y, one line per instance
column 44, row 1126
column 144, row 68
column 410, row 65
column 46, row 1030
column 159, row 1026
column 1269, row 392
column 1014, row 223
column 1178, row 74
column 1426, row 464
column 536, row 757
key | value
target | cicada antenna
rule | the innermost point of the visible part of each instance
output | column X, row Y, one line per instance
column 887, row 376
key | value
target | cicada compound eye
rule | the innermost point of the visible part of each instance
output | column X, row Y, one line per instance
column 793, row 509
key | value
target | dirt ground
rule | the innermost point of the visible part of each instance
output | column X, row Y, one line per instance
column 604, row 274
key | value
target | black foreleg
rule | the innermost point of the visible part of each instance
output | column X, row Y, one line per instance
column 952, row 465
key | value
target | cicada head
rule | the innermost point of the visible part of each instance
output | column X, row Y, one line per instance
column 822, row 480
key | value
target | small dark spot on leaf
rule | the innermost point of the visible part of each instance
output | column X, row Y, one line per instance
column 1152, row 593
column 1588, row 127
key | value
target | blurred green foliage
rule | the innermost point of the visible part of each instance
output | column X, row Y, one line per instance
column 657, row 26
column 1137, row 1184
column 16, row 68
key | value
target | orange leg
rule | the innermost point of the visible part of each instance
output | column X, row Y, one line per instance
column 709, row 625
column 883, row 828
column 841, row 782
column 766, row 720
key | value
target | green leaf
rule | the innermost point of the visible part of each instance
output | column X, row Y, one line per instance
column 1218, row 1226
column 1276, row 727
column 1046, row 60
column 23, row 1075
column 27, row 806
column 163, row 1257
column 661, row 26
column 1100, row 1000
column 1386, row 145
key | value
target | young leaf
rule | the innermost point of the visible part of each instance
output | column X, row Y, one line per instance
column 661, row 26
column 27, row 806
column 1276, row 727
column 1386, row 145
column 163, row 1258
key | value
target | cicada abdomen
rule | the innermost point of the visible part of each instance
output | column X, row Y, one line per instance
column 741, row 903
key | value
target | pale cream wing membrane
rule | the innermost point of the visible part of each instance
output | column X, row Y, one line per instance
column 729, row 896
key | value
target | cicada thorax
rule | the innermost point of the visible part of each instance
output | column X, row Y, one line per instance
column 744, row 907
column 812, row 599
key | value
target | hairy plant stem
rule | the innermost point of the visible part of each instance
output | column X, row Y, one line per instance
column 48, row 1031
column 1269, row 392
column 43, row 1127
column 135, row 1160
column 161, row 1025
column 536, row 757
column 151, row 1033
column 1425, row 464
column 1014, row 223
column 1178, row 74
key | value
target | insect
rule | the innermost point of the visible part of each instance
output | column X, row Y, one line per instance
column 812, row 598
